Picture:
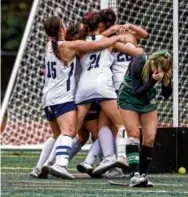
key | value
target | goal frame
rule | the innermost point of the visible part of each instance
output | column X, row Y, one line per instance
column 103, row 4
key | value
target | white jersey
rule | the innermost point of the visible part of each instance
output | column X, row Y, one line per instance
column 59, row 79
column 96, row 78
column 119, row 67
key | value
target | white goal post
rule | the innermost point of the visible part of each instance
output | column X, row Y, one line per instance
column 18, row 59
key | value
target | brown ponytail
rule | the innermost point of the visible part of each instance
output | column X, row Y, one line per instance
column 91, row 21
column 52, row 27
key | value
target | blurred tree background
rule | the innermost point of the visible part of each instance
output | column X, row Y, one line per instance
column 14, row 15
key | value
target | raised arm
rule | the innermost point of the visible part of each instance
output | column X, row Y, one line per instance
column 128, row 48
column 139, row 31
column 136, row 72
column 112, row 30
column 86, row 46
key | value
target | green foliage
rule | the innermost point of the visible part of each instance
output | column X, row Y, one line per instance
column 13, row 20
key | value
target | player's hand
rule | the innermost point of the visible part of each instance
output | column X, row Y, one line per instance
column 127, row 26
column 123, row 28
column 122, row 38
column 158, row 76
column 167, row 77
column 116, row 28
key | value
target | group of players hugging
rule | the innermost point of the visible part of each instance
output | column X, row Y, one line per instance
column 99, row 83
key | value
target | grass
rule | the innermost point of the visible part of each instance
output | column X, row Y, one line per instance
column 15, row 166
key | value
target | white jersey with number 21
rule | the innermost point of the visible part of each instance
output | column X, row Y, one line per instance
column 96, row 78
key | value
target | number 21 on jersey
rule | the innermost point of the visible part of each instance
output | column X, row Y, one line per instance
column 94, row 61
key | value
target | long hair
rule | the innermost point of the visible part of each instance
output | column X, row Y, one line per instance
column 75, row 30
column 52, row 27
column 161, row 59
column 91, row 21
column 108, row 17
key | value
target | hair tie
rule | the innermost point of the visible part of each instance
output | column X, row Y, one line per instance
column 53, row 39
column 158, row 54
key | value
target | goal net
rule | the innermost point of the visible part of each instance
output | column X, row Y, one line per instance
column 157, row 18
column 26, row 123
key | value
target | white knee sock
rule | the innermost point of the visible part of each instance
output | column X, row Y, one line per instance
column 48, row 145
column 106, row 141
column 94, row 152
column 121, row 142
column 76, row 147
column 63, row 149
column 51, row 158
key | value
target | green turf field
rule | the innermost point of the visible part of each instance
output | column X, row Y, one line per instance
column 15, row 166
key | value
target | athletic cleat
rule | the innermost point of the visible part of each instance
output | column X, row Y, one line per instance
column 45, row 170
column 60, row 171
column 121, row 162
column 138, row 181
column 114, row 173
column 84, row 167
column 105, row 165
column 149, row 183
column 35, row 172
column 87, row 168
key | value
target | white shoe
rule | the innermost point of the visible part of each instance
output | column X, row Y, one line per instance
column 35, row 172
column 121, row 162
column 60, row 171
column 105, row 165
column 138, row 181
column 84, row 167
column 114, row 173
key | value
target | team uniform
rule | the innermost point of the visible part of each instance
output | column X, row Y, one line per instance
column 134, row 94
column 95, row 83
column 95, row 108
column 119, row 68
column 59, row 88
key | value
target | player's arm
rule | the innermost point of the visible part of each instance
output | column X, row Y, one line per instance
column 128, row 49
column 85, row 46
column 112, row 30
column 138, row 88
column 139, row 31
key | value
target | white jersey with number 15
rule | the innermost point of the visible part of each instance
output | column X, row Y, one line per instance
column 59, row 84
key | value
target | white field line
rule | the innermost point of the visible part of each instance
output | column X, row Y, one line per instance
column 46, row 181
column 113, row 190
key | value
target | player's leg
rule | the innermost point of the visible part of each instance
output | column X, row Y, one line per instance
column 91, row 123
column 111, row 109
column 87, row 165
column 78, row 141
column 82, row 111
column 107, row 143
column 121, row 163
column 149, row 127
column 66, row 119
column 132, row 123
column 47, row 148
column 120, row 148
column 95, row 150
